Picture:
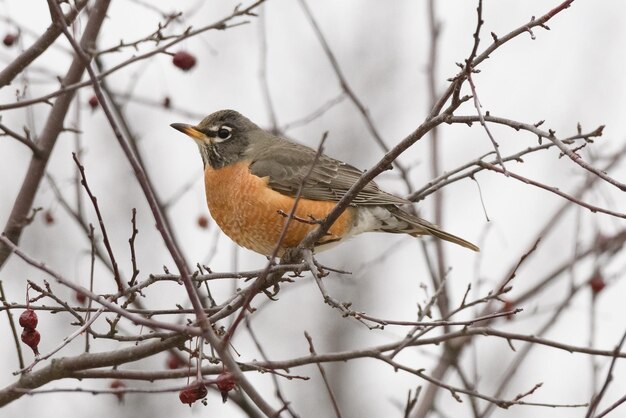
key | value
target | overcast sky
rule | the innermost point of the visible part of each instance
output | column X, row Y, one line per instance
column 570, row 74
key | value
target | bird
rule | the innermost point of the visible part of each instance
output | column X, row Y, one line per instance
column 252, row 178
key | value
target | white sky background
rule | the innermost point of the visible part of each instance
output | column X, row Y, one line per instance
column 572, row 73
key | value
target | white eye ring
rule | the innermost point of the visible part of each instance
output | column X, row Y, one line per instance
column 224, row 132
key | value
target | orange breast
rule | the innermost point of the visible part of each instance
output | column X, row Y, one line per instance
column 246, row 209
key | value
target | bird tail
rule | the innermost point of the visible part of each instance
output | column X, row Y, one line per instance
column 417, row 226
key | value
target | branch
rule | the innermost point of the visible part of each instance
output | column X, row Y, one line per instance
column 40, row 45
column 554, row 190
column 73, row 85
column 105, row 236
column 52, row 128
column 609, row 377
column 23, row 139
column 350, row 93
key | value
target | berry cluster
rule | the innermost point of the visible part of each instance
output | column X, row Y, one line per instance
column 30, row 336
column 196, row 390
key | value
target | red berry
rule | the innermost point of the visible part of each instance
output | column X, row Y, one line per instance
column 28, row 319
column 118, row 384
column 93, row 101
column 80, row 297
column 167, row 102
column 174, row 362
column 203, row 222
column 31, row 338
column 9, row 39
column 597, row 283
column 184, row 60
column 193, row 392
column 225, row 383
column 48, row 218
column 188, row 396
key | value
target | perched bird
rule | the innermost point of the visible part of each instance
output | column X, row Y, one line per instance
column 252, row 178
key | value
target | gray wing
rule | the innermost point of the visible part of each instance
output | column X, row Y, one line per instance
column 286, row 164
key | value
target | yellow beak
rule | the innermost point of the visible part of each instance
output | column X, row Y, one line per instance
column 189, row 130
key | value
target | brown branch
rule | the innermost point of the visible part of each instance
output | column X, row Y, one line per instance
column 609, row 377
column 123, row 124
column 277, row 389
column 65, row 367
column 458, row 80
column 438, row 275
column 333, row 399
column 39, row 46
column 612, row 407
column 105, row 236
column 265, row 87
column 325, row 107
column 53, row 127
column 345, row 87
column 22, row 139
column 481, row 119
column 71, row 86
column 77, row 216
column 56, row 13
column 98, row 298
column 449, row 178
column 550, row 135
column 131, row 243
column 18, row 348
column 207, row 330
column 554, row 190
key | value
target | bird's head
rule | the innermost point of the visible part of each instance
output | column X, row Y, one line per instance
column 222, row 137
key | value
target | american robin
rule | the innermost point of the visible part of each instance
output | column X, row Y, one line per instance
column 252, row 178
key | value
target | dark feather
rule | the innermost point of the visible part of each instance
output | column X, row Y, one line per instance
column 286, row 164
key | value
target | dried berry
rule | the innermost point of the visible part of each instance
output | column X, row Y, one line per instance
column 28, row 319
column 48, row 218
column 31, row 338
column 597, row 283
column 80, row 297
column 195, row 391
column 93, row 101
column 167, row 102
column 225, row 383
column 203, row 222
column 9, row 39
column 188, row 396
column 184, row 60
column 119, row 385
column 174, row 362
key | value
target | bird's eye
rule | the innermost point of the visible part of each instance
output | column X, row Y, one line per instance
column 224, row 132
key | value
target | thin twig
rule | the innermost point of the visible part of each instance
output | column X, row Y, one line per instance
column 18, row 348
column 105, row 236
column 554, row 190
column 595, row 401
column 333, row 399
column 343, row 82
